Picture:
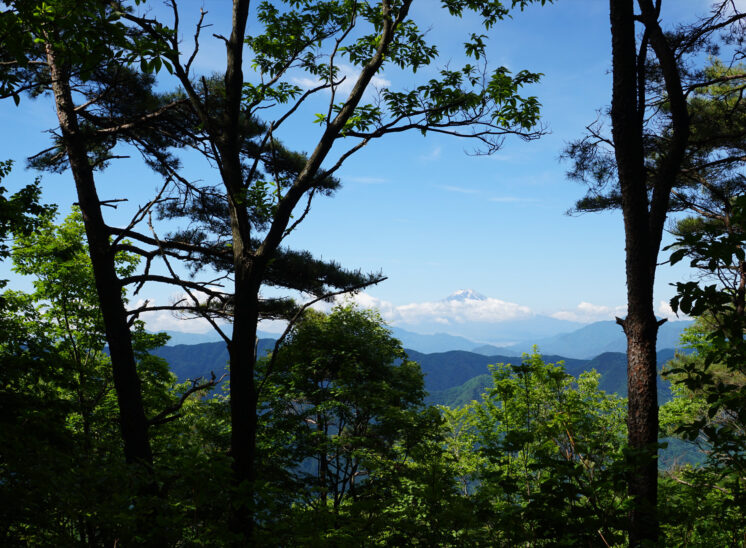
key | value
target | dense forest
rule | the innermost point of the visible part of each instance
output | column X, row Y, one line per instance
column 327, row 436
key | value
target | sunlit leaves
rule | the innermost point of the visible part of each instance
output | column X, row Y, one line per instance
column 714, row 376
column 491, row 11
column 543, row 454
column 314, row 38
column 21, row 212
column 513, row 109
column 281, row 93
column 289, row 33
column 343, row 396
column 456, row 95
column 363, row 118
column 476, row 47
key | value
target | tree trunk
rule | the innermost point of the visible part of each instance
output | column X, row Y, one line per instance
column 640, row 326
column 132, row 421
column 642, row 422
column 243, row 402
column 643, row 228
column 250, row 265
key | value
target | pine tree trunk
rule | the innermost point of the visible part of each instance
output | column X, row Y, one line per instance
column 640, row 325
column 642, row 424
column 644, row 217
column 132, row 420
column 243, row 403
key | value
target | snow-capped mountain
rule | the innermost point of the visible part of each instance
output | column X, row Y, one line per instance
column 465, row 295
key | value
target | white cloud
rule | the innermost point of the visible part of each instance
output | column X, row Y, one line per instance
column 272, row 326
column 587, row 312
column 665, row 311
column 168, row 321
column 433, row 155
column 350, row 76
column 446, row 312
column 165, row 320
column 459, row 189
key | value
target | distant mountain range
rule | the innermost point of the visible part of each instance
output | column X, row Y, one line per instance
column 497, row 333
column 452, row 378
column 454, row 375
column 467, row 320
column 438, row 342
column 182, row 337
column 589, row 341
column 468, row 314
column 584, row 343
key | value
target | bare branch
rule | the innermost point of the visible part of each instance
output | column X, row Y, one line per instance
column 187, row 285
column 171, row 413
column 168, row 244
column 718, row 80
column 197, row 32
column 141, row 120
column 677, row 479
column 300, row 219
column 197, row 286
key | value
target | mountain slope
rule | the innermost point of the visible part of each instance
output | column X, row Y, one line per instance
column 611, row 365
column 427, row 344
column 451, row 378
column 458, row 396
column 600, row 337
column 189, row 361
column 445, row 370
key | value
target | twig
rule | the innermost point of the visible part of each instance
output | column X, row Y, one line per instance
column 184, row 285
column 170, row 413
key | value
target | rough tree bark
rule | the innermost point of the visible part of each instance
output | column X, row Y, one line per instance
column 132, row 420
column 644, row 218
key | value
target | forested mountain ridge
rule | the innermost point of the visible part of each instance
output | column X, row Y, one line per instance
column 452, row 378
column 612, row 366
column 189, row 361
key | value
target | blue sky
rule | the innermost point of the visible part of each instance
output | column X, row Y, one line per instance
column 423, row 211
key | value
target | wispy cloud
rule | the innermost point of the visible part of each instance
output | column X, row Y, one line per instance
column 510, row 199
column 366, row 180
column 433, row 155
column 460, row 189
column 587, row 312
column 349, row 76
